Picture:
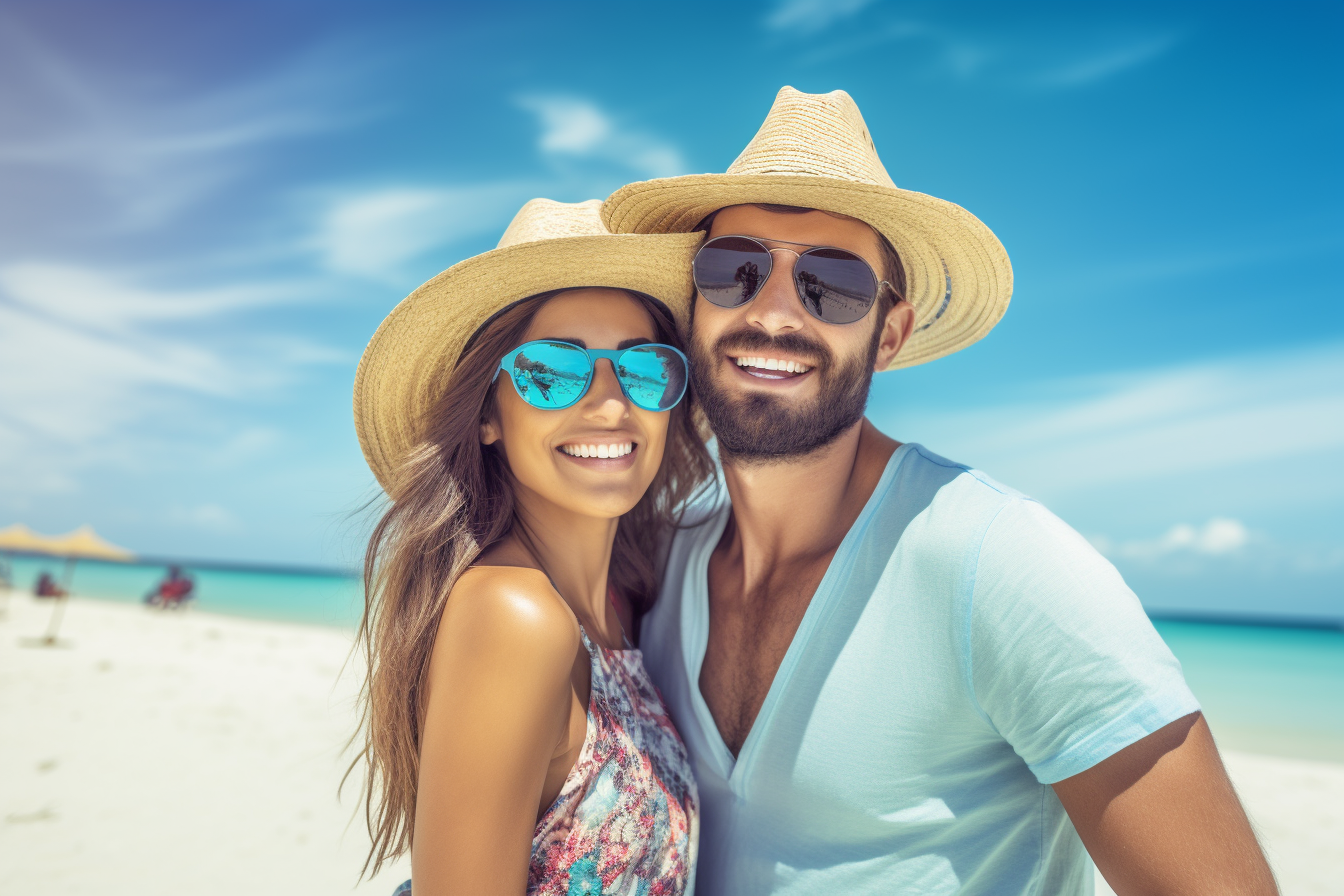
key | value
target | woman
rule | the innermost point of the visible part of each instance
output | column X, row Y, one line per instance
column 523, row 411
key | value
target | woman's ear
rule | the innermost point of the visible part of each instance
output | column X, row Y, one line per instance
column 490, row 433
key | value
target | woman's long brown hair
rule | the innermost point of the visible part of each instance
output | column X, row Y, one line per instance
column 453, row 499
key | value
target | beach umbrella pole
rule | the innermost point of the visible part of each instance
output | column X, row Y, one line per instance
column 58, row 609
column 54, row 626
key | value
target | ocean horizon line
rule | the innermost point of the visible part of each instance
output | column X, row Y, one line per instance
column 316, row 571
column 293, row 569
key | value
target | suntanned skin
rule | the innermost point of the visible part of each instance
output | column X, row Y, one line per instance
column 509, row 680
column 1159, row 817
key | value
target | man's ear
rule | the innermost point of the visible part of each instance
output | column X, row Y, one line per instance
column 896, row 329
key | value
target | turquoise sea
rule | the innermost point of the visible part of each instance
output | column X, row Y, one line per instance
column 1270, row 689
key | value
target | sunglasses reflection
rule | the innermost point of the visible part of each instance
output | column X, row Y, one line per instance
column 529, row 374
column 652, row 377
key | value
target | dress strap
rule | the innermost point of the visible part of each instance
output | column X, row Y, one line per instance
column 587, row 642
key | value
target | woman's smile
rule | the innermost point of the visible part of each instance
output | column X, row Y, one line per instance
column 600, row 449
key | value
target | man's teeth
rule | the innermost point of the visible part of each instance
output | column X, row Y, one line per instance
column 774, row 364
column 621, row 449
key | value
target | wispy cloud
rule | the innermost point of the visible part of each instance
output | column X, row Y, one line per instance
column 578, row 128
column 1032, row 64
column 1148, row 425
column 137, row 147
column 1104, row 64
column 93, row 363
column 1221, row 545
column 1218, row 537
column 376, row 233
column 811, row 16
column 94, row 299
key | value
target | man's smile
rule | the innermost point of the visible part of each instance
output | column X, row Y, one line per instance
column 767, row 367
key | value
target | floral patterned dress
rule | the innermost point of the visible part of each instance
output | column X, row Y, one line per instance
column 626, row 822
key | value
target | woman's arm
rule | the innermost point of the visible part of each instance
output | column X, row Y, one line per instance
column 499, row 700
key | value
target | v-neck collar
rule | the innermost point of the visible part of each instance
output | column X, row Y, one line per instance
column 695, row 626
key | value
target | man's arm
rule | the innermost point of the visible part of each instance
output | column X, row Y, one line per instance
column 1161, row 817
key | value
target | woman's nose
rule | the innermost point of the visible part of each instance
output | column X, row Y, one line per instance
column 605, row 398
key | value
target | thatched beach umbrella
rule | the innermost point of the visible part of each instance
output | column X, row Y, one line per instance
column 82, row 543
column 19, row 537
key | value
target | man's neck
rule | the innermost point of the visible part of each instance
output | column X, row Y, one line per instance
column 795, row 510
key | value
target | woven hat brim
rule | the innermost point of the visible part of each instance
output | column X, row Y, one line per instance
column 409, row 361
column 959, row 279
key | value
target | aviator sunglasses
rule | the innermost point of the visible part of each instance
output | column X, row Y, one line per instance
column 553, row 375
column 834, row 285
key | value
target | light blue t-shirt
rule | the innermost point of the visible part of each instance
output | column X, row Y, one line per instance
column 965, row 650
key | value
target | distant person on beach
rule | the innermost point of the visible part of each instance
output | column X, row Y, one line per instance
column 523, row 411
column 173, row 592
column 46, row 586
column 892, row 673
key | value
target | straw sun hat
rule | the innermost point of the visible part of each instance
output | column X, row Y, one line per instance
column 549, row 245
column 814, row 151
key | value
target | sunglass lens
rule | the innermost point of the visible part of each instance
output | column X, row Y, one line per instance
column 729, row 270
column 550, row 375
column 654, row 376
column 836, row 286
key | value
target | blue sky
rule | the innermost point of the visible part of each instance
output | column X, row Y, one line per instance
column 205, row 210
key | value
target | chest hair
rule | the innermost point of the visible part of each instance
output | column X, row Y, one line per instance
column 749, row 633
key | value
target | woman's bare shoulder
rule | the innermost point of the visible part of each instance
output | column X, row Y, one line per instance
column 510, row 609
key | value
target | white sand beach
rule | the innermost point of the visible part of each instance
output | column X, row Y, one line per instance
column 166, row 753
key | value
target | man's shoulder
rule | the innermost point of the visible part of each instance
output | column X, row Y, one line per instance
column 946, row 496
column 920, row 462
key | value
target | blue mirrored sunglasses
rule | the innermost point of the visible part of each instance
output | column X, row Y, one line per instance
column 554, row 375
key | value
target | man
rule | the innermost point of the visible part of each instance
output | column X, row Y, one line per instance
column 893, row 674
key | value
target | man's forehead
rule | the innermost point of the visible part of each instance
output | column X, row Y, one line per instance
column 812, row 226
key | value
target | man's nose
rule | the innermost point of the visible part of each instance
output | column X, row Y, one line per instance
column 776, row 308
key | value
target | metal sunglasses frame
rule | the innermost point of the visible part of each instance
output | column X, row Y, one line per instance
column 797, row 287
column 594, row 355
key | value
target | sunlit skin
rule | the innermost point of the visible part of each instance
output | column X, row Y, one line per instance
column 1159, row 817
column 506, row 713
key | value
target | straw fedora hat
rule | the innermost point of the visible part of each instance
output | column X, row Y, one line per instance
column 814, row 151
column 549, row 245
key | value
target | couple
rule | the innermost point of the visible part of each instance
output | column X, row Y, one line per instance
column 860, row 667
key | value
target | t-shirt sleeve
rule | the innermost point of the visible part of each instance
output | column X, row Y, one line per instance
column 1063, row 659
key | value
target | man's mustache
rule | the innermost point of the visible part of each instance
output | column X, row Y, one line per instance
column 749, row 340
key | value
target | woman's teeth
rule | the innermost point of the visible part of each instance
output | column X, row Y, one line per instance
column 773, row 364
column 620, row 449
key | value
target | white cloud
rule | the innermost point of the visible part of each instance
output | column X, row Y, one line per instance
column 810, row 16
column 1031, row 62
column 133, row 152
column 1146, row 425
column 579, row 128
column 95, row 368
column 1105, row 64
column 569, row 125
column 376, row 233
column 1218, row 537
column 92, row 298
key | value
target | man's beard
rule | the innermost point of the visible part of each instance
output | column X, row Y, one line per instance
column 758, row 428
